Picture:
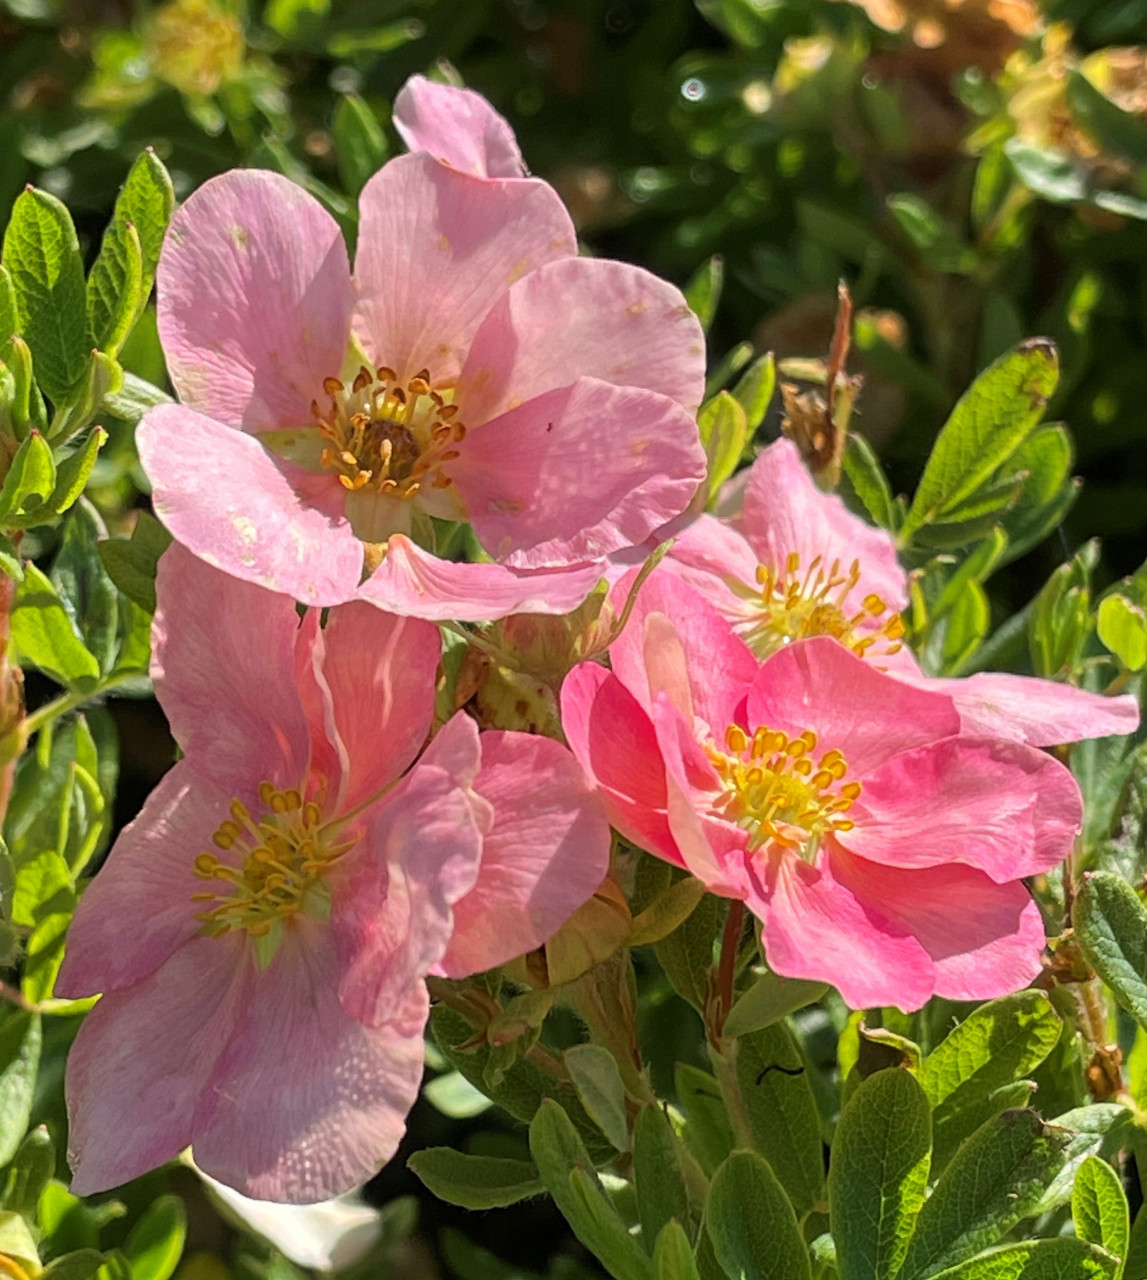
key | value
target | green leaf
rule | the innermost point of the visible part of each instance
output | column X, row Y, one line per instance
column 997, row 1044
column 768, row 1000
column 686, row 954
column 33, row 1165
column 990, row 422
column 27, row 409
column 155, row 1244
column 134, row 398
column 45, row 950
column 569, row 1176
column 29, row 484
column 878, row 1174
column 1122, row 626
column 1099, row 1207
column 995, row 1180
column 752, row 1224
column 1048, row 492
column 73, row 472
column 20, row 1041
column 131, row 563
column 708, row 1134
column 866, row 475
column 597, row 1080
column 475, row 1182
column 723, row 430
column 703, row 292
column 147, row 202
column 782, row 1112
column 9, row 308
column 1062, row 1259
column 42, row 255
column 78, row 1265
column 938, row 243
column 115, row 287
column 360, row 144
column 662, row 1193
column 44, row 635
column 38, row 880
column 84, row 588
column 754, row 391
column 300, row 21
column 1111, row 925
column 1114, row 129
column 673, row 1254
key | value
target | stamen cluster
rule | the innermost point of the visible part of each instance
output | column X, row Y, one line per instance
column 797, row 605
column 775, row 790
column 284, row 858
column 387, row 436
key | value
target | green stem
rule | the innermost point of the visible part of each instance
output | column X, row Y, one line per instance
column 69, row 702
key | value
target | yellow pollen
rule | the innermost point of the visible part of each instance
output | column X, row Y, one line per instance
column 798, row 603
column 389, row 437
column 779, row 791
column 284, row 857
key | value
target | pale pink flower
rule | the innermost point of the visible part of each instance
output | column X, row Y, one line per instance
column 261, row 933
column 791, row 561
column 881, row 848
column 473, row 369
column 457, row 126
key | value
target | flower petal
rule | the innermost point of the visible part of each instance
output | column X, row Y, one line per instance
column 148, row 879
column 1001, row 806
column 614, row 742
column 818, row 684
column 816, row 927
column 1042, row 713
column 985, row 939
column 391, row 903
column 141, row 1058
column 305, row 1102
column 379, row 672
column 227, row 500
column 718, row 563
column 584, row 317
column 577, row 473
column 457, row 126
column 436, row 247
column 222, row 658
column 415, row 582
column 254, row 300
column 546, row 853
column 786, row 514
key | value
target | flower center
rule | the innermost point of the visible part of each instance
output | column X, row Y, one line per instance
column 392, row 438
column 775, row 790
column 796, row 604
column 284, row 858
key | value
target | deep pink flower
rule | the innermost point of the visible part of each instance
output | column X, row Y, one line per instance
column 881, row 848
column 791, row 562
column 262, row 931
column 473, row 369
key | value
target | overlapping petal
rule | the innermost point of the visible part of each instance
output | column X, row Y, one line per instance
column 457, row 126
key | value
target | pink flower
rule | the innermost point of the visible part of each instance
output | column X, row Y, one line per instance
column 262, row 931
column 473, row 369
column 793, row 562
column 881, row 848
column 457, row 126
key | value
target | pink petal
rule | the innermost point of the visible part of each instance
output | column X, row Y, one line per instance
column 457, row 126
column 985, row 939
column 717, row 562
column 149, row 880
column 584, row 318
column 436, row 248
column 820, row 685
column 222, row 655
column 305, row 1103
column 998, row 805
column 1042, row 713
column 613, row 740
column 227, row 500
column 143, row 1055
column 379, row 671
column 816, row 927
column 545, row 855
column 719, row 665
column 254, row 300
column 391, row 904
column 577, row 473
column 785, row 514
column 415, row 582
